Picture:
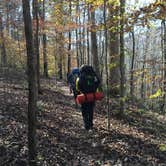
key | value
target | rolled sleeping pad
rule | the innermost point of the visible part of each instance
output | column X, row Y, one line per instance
column 89, row 97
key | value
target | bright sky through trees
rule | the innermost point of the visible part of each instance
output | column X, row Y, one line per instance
column 138, row 3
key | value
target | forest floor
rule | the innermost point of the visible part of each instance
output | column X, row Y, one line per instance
column 136, row 139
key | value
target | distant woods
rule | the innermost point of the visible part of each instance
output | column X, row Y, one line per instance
column 124, row 42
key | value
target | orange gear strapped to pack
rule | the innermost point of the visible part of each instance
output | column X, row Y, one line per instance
column 89, row 97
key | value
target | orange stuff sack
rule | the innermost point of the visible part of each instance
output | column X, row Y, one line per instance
column 89, row 97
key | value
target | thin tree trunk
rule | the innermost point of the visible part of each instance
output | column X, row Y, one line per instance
column 122, row 56
column 60, row 38
column 59, row 49
column 2, row 45
column 7, row 18
column 36, row 41
column 106, row 64
column 77, row 51
column 69, row 54
column 88, row 47
column 163, row 24
column 77, row 47
column 132, row 67
column 80, row 41
column 32, row 80
column 60, row 68
column 142, row 77
column 69, row 47
column 102, row 57
column 83, row 38
column 44, row 45
column 94, row 50
column 45, row 55
column 19, row 46
column 143, row 69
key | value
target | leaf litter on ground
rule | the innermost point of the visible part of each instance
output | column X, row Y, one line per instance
column 61, row 139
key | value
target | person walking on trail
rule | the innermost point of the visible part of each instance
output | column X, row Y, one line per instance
column 71, row 80
column 87, row 82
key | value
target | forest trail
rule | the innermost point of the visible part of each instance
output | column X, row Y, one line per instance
column 61, row 140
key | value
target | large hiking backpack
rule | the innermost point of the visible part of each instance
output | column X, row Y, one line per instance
column 72, row 77
column 88, row 80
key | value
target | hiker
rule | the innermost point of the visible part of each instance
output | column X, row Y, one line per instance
column 71, row 80
column 87, row 82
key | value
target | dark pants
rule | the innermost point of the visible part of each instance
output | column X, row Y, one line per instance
column 87, row 113
column 75, row 93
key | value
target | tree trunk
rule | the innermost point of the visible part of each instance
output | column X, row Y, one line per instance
column 80, row 40
column 122, row 57
column 69, row 46
column 59, row 52
column 88, row 49
column 32, row 83
column 60, row 39
column 114, row 68
column 77, row 51
column 106, row 64
column 2, row 45
column 60, row 58
column 132, row 67
column 69, row 54
column 143, row 84
column 45, row 65
column 7, row 16
column 77, row 47
column 163, row 24
column 83, row 38
column 36, row 41
column 94, row 50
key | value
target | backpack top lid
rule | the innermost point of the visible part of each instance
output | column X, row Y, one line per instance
column 75, row 71
column 72, row 75
column 86, row 69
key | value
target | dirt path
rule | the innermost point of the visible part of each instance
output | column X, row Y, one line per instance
column 63, row 141
column 123, row 145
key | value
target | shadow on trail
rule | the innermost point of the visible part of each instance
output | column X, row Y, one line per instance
column 56, row 97
column 68, row 143
column 146, row 124
column 77, row 145
column 62, row 141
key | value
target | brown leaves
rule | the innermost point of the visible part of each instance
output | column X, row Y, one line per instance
column 62, row 141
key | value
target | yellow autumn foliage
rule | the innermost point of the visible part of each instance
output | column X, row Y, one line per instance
column 159, row 93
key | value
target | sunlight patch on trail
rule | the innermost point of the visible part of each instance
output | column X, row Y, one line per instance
column 64, row 88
